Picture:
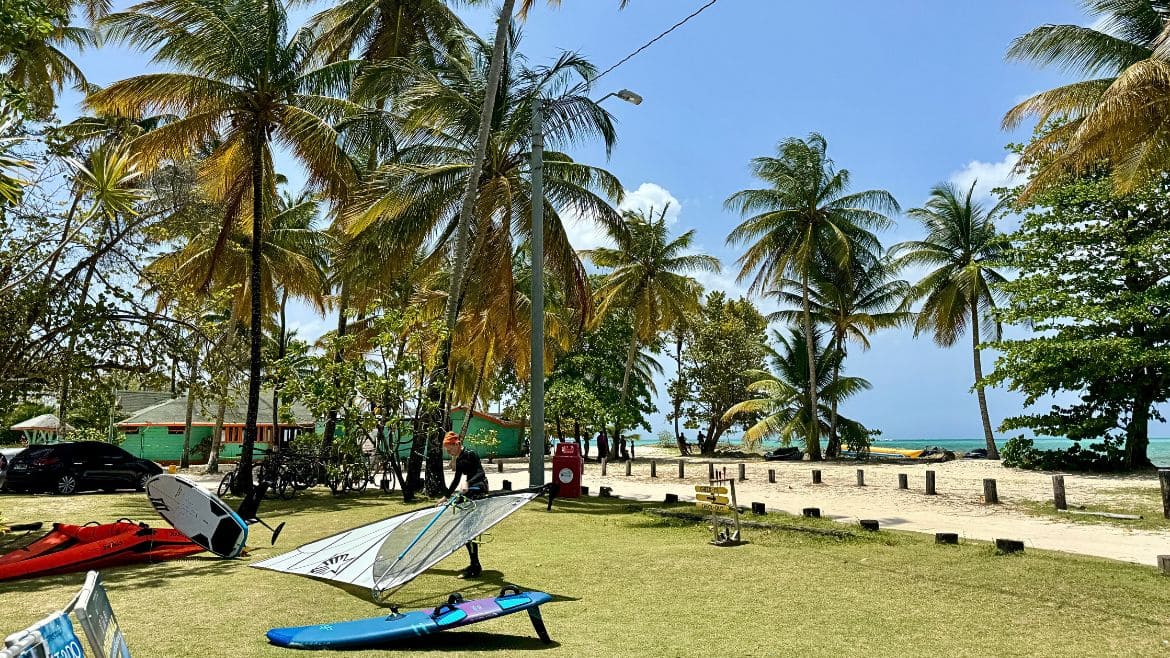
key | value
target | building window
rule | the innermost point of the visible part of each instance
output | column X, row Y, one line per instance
column 175, row 430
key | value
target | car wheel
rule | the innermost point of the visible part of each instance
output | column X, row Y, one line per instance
column 141, row 486
column 66, row 484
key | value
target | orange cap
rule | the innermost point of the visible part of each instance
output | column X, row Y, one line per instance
column 451, row 439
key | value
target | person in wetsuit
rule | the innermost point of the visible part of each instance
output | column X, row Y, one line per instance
column 467, row 466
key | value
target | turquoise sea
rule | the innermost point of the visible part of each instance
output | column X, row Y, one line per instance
column 1159, row 447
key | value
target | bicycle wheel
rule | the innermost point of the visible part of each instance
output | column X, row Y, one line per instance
column 284, row 487
column 360, row 476
column 226, row 484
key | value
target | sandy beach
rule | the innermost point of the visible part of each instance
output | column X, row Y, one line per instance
column 957, row 507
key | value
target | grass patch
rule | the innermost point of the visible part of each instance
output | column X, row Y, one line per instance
column 628, row 583
column 1142, row 501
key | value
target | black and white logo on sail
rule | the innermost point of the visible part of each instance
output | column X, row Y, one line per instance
column 333, row 565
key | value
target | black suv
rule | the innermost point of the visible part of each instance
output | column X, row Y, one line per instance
column 67, row 468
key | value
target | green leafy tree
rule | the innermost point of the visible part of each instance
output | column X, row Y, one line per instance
column 728, row 340
column 779, row 409
column 240, row 83
column 804, row 214
column 1094, row 286
column 960, row 293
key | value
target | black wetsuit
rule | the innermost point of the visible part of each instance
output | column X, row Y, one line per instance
column 467, row 465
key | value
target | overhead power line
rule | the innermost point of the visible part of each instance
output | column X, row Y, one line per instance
column 651, row 42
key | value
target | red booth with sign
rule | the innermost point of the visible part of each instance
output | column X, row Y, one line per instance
column 567, row 467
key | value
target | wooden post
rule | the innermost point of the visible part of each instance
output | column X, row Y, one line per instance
column 816, row 476
column 629, row 467
column 990, row 495
column 1164, row 564
column 742, row 472
column 771, row 476
column 903, row 481
column 1004, row 546
column 507, row 485
column 605, row 492
column 584, row 490
column 499, row 467
column 811, row 512
column 671, row 498
column 946, row 538
column 1058, row 498
column 930, row 491
column 860, row 477
column 603, row 465
column 710, row 471
column 758, row 508
column 653, row 469
column 1164, row 481
column 681, row 472
column 869, row 524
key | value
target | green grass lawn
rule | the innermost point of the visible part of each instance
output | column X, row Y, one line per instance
column 628, row 583
column 1145, row 502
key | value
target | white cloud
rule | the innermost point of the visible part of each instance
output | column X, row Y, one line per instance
column 651, row 196
column 584, row 233
column 987, row 175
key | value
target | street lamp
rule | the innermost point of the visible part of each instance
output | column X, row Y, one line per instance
column 536, row 371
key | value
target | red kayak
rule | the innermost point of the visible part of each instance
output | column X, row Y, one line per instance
column 69, row 548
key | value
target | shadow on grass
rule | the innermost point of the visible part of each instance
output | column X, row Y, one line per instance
column 465, row 641
column 134, row 576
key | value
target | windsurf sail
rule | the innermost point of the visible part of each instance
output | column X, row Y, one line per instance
column 369, row 556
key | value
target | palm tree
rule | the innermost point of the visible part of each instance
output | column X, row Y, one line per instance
column 853, row 302
column 380, row 30
column 41, row 69
column 241, row 83
column 1119, row 111
column 11, row 186
column 780, row 396
column 806, row 213
column 414, row 201
column 960, row 294
column 649, row 276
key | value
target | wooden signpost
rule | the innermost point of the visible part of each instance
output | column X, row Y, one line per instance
column 719, row 497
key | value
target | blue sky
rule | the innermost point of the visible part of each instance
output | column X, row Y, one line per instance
column 908, row 94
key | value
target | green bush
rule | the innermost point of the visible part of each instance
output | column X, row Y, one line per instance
column 1104, row 457
column 486, row 442
column 306, row 443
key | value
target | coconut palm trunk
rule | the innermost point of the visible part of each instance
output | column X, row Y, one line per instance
column 992, row 451
column 834, row 447
column 813, row 431
column 342, row 326
column 185, row 459
column 617, row 425
column 256, row 330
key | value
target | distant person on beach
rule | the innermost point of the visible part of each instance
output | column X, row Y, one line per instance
column 699, row 440
column 682, row 443
column 587, row 440
column 602, row 445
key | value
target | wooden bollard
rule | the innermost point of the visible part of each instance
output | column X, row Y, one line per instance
column 771, row 476
column 742, row 472
column 1005, row 546
column 604, row 464
column 758, row 508
column 930, row 491
column 629, row 467
column 653, row 469
column 499, row 467
column 1164, row 564
column 869, row 524
column 605, row 492
column 1164, row 481
column 1058, row 498
column 861, row 477
column 681, row 472
column 816, row 476
column 710, row 471
column 506, row 485
column 584, row 490
column 990, row 495
column 903, row 481
column 811, row 512
column 670, row 498
column 946, row 538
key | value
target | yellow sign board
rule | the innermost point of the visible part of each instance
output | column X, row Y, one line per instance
column 712, row 498
column 710, row 507
column 705, row 489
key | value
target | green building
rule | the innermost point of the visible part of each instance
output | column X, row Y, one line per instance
column 156, row 432
column 489, row 436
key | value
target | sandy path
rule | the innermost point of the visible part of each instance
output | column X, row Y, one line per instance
column 957, row 507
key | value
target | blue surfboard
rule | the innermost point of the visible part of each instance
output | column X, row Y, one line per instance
column 380, row 631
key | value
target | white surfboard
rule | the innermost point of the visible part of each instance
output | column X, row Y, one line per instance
column 197, row 513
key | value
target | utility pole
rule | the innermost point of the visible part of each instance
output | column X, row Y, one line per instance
column 536, row 295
